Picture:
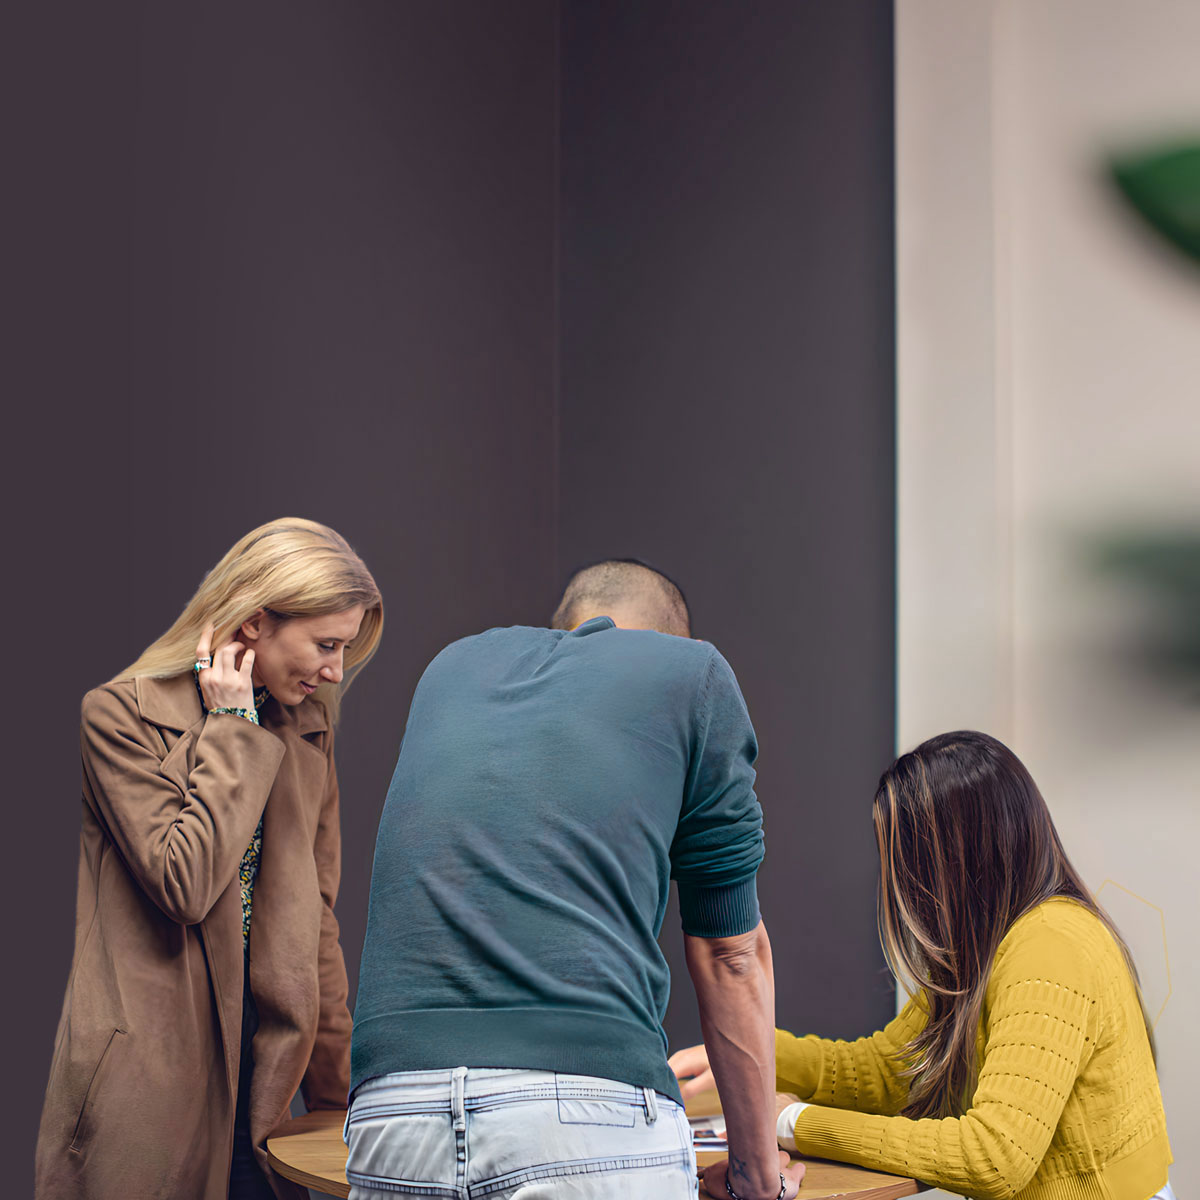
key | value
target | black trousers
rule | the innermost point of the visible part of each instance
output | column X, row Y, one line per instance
column 246, row 1180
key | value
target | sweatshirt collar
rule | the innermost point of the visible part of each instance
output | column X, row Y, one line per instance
column 593, row 625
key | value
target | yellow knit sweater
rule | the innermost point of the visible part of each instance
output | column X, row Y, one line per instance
column 1067, row 1106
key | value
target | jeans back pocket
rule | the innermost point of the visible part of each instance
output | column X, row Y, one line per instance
column 577, row 1107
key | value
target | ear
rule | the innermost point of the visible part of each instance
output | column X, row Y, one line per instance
column 254, row 626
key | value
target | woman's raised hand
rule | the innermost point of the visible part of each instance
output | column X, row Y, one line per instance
column 692, row 1062
column 225, row 684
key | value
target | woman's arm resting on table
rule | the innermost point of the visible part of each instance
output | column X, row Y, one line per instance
column 735, row 989
column 1041, row 1009
column 863, row 1074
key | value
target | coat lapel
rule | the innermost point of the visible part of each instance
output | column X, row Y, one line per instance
column 172, row 703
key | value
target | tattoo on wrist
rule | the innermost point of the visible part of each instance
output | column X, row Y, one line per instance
column 737, row 1169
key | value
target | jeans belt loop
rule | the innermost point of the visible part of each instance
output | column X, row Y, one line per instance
column 458, row 1078
column 651, row 1105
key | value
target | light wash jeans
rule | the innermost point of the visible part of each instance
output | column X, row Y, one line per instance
column 531, row 1135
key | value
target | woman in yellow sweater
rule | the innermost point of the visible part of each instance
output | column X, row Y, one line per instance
column 1022, row 1066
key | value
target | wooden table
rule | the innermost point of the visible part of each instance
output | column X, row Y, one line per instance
column 821, row 1178
column 309, row 1151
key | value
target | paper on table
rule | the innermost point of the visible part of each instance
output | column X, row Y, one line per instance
column 708, row 1133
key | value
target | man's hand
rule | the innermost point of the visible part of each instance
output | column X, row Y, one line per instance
column 713, row 1178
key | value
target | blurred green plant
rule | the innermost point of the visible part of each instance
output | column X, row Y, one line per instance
column 1164, row 187
column 1166, row 565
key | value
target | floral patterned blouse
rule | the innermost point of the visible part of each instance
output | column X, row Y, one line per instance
column 248, row 871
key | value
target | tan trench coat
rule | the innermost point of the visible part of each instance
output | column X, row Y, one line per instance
column 143, row 1082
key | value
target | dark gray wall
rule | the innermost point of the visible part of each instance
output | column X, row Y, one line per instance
column 313, row 258
column 727, row 412
column 274, row 258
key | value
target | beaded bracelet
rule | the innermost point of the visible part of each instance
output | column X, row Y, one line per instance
column 782, row 1187
column 248, row 714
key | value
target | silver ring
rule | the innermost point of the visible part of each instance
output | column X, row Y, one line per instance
column 202, row 664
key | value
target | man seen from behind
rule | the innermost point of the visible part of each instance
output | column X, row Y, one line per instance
column 508, row 1035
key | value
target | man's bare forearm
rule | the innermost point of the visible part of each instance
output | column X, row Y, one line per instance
column 735, row 987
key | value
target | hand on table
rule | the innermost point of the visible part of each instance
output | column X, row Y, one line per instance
column 713, row 1178
column 225, row 684
column 692, row 1070
column 695, row 1076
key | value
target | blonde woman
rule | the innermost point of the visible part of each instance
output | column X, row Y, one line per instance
column 1023, row 1068
column 207, row 982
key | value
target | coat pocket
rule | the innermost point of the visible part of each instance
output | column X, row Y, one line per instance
column 103, row 1067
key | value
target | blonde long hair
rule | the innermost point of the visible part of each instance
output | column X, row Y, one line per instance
column 966, row 846
column 290, row 567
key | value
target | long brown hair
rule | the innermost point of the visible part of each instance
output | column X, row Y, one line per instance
column 291, row 567
column 966, row 846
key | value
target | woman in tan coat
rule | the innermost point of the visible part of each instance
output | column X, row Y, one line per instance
column 207, row 982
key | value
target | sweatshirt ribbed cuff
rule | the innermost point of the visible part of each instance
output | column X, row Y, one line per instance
column 843, row 1136
column 726, row 911
column 785, row 1127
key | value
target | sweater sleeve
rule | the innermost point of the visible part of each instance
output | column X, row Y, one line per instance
column 863, row 1074
column 718, row 842
column 1040, row 1028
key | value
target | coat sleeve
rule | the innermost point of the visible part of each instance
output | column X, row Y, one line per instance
column 863, row 1074
column 326, row 1082
column 182, row 840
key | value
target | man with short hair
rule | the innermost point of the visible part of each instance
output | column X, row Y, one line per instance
column 633, row 594
column 508, row 1033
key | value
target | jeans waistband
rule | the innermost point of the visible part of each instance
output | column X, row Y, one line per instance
column 463, row 1088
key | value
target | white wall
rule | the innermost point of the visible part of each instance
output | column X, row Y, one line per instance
column 1049, row 402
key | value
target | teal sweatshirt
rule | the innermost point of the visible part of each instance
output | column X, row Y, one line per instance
column 549, row 786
